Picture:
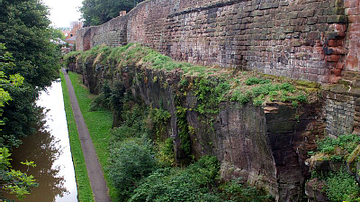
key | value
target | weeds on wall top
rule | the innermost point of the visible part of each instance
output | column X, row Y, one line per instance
column 228, row 84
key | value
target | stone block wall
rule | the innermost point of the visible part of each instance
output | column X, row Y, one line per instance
column 342, row 105
column 340, row 111
column 299, row 39
column 275, row 37
column 352, row 10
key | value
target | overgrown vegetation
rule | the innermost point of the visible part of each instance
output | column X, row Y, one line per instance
column 176, row 184
column 140, row 174
column 347, row 143
column 340, row 183
column 212, row 85
column 183, row 130
column 236, row 191
column 342, row 187
column 130, row 161
column 150, row 175
column 141, row 161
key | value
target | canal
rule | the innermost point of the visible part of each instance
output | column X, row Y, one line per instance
column 50, row 150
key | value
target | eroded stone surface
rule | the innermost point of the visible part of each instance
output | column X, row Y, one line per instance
column 315, row 190
column 312, row 40
column 266, row 146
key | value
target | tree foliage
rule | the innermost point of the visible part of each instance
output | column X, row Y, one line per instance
column 18, row 110
column 24, row 29
column 58, row 34
column 29, row 62
column 96, row 12
column 15, row 181
column 31, row 56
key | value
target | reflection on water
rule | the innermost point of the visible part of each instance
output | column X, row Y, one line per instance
column 50, row 151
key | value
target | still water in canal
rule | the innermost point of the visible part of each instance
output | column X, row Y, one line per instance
column 50, row 150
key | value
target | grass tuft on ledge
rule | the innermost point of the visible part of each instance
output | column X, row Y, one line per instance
column 243, row 86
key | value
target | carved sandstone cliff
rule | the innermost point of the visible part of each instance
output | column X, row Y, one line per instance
column 265, row 145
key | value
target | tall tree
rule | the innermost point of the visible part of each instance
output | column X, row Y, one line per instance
column 96, row 12
column 24, row 29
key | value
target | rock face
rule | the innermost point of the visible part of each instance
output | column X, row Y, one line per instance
column 266, row 146
column 315, row 190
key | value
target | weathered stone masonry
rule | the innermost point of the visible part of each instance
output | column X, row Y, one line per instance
column 297, row 39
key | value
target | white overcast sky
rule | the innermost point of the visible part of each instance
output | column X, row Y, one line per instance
column 62, row 12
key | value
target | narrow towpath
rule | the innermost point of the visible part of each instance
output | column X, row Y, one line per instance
column 96, row 176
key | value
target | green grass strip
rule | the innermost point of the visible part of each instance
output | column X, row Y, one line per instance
column 99, row 124
column 83, row 184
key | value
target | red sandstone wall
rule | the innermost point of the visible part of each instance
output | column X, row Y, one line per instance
column 352, row 10
column 305, row 39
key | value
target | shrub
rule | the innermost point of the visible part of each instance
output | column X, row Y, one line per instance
column 345, row 142
column 264, row 89
column 240, row 97
column 288, row 87
column 342, row 187
column 103, row 99
column 301, row 98
column 235, row 191
column 259, row 100
column 190, row 184
column 134, row 117
column 131, row 161
column 209, row 92
column 198, row 182
column 165, row 154
column 109, row 97
column 252, row 80
column 122, row 133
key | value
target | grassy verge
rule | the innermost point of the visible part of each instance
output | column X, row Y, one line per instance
column 82, row 179
column 98, row 123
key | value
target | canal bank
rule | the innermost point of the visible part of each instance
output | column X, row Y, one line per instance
column 50, row 150
column 99, row 124
column 82, row 179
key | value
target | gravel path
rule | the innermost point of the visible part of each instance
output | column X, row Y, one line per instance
column 96, row 176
